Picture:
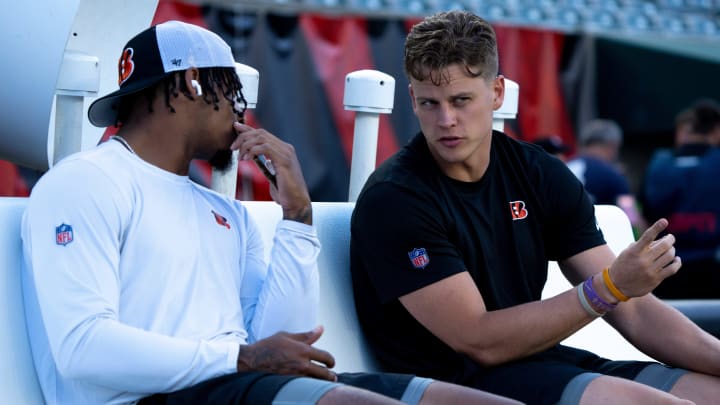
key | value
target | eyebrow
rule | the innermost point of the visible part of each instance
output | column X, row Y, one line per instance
column 462, row 94
column 450, row 97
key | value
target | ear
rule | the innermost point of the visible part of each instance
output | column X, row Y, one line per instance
column 498, row 88
column 412, row 97
column 191, row 77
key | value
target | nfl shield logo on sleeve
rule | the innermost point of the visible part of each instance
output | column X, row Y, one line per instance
column 63, row 234
column 419, row 258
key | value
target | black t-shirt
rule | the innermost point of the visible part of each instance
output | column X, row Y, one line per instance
column 413, row 226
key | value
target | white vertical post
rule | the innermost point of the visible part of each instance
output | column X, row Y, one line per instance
column 225, row 182
column 509, row 108
column 79, row 77
column 369, row 93
column 68, row 126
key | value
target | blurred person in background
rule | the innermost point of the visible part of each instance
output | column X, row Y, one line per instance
column 553, row 145
column 680, row 185
column 598, row 168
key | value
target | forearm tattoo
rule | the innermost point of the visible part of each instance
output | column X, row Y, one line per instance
column 269, row 359
column 303, row 215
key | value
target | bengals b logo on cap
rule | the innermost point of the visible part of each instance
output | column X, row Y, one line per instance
column 126, row 66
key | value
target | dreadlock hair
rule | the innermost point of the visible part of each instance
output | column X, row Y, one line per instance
column 447, row 38
column 212, row 80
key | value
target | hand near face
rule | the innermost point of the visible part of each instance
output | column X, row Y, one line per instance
column 289, row 190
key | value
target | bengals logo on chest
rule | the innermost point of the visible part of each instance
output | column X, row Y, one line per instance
column 518, row 210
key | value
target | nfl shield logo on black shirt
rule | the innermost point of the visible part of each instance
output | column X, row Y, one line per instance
column 63, row 234
column 419, row 258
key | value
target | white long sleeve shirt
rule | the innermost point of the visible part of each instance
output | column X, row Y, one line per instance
column 139, row 281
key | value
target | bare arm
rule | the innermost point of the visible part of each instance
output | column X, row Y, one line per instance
column 493, row 337
column 652, row 326
column 667, row 335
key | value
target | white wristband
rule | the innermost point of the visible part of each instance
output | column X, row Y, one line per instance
column 585, row 304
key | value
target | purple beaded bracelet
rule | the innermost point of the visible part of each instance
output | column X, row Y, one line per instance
column 595, row 299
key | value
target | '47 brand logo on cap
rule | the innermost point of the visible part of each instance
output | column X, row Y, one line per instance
column 63, row 234
column 419, row 258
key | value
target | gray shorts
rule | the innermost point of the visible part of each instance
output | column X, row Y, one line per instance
column 655, row 375
column 307, row 391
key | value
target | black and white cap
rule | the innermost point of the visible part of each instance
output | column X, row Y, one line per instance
column 154, row 54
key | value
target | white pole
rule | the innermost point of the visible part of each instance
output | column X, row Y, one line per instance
column 225, row 182
column 68, row 126
column 364, row 151
column 79, row 77
column 509, row 108
column 369, row 93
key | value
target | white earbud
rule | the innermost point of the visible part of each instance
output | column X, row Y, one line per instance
column 197, row 87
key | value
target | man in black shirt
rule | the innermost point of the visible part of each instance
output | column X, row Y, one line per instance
column 451, row 238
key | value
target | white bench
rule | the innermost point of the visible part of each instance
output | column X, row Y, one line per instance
column 342, row 336
column 17, row 373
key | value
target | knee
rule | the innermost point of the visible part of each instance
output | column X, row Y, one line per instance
column 607, row 389
column 439, row 392
column 345, row 394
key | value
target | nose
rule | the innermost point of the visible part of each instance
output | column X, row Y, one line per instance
column 446, row 116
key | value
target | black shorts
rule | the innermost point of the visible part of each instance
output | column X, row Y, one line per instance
column 541, row 378
column 261, row 388
column 389, row 384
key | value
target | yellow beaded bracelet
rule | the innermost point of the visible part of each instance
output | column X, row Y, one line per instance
column 611, row 286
